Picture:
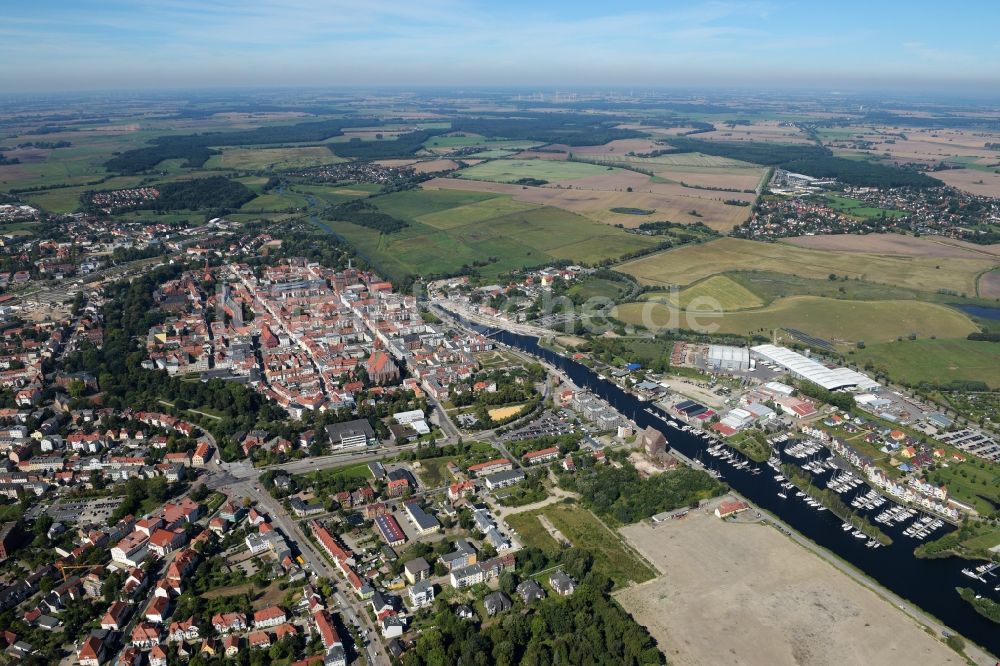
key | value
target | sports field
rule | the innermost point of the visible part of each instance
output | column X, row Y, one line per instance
column 840, row 321
column 720, row 290
column 511, row 171
column 582, row 528
column 451, row 228
column 936, row 361
column 688, row 264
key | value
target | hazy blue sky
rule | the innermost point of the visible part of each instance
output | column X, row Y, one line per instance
column 80, row 44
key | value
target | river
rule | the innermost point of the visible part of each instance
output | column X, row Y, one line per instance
column 929, row 584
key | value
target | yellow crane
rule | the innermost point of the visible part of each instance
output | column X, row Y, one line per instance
column 63, row 567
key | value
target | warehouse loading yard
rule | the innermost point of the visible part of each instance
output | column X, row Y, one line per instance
column 742, row 593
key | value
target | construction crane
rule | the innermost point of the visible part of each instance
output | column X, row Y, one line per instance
column 63, row 567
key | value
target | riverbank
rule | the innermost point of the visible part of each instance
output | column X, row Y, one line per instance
column 927, row 585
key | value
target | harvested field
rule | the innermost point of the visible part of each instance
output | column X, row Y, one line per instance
column 742, row 179
column 989, row 285
column 744, row 594
column 422, row 166
column 688, row 264
column 719, row 290
column 841, row 321
column 898, row 244
column 974, row 181
column 769, row 130
column 670, row 202
column 618, row 147
column 510, row 171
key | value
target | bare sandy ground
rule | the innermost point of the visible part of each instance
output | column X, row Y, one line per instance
column 745, row 594
column 897, row 244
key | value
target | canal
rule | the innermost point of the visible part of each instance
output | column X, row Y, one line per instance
column 927, row 583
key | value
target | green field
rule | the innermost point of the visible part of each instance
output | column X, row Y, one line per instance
column 611, row 556
column 718, row 290
column 858, row 209
column 274, row 200
column 976, row 483
column 936, row 361
column 771, row 286
column 689, row 264
column 511, row 171
column 840, row 321
column 594, row 287
column 272, row 158
column 474, row 212
column 466, row 234
column 449, row 141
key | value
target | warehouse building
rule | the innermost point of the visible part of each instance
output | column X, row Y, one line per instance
column 811, row 370
column 727, row 359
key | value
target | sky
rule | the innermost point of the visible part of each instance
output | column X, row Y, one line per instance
column 52, row 45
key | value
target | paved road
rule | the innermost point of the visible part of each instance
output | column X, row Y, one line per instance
column 352, row 607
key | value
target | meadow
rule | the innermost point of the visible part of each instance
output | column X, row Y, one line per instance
column 451, row 228
column 688, row 264
column 512, row 171
column 858, row 209
column 584, row 530
column 718, row 289
column 272, row 158
column 935, row 361
column 841, row 321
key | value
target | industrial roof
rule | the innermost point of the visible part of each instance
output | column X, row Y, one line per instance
column 811, row 370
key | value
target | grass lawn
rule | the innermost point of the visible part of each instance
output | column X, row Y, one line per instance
column 433, row 472
column 595, row 287
column 611, row 556
column 977, row 483
column 688, row 264
column 936, row 361
column 856, row 208
column 986, row 540
column 843, row 322
column 511, row 171
column 358, row 471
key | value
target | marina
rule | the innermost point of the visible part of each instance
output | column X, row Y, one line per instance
column 895, row 566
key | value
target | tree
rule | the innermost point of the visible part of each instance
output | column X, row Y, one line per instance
column 76, row 388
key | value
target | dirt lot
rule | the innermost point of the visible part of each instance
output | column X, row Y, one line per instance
column 910, row 246
column 744, row 594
